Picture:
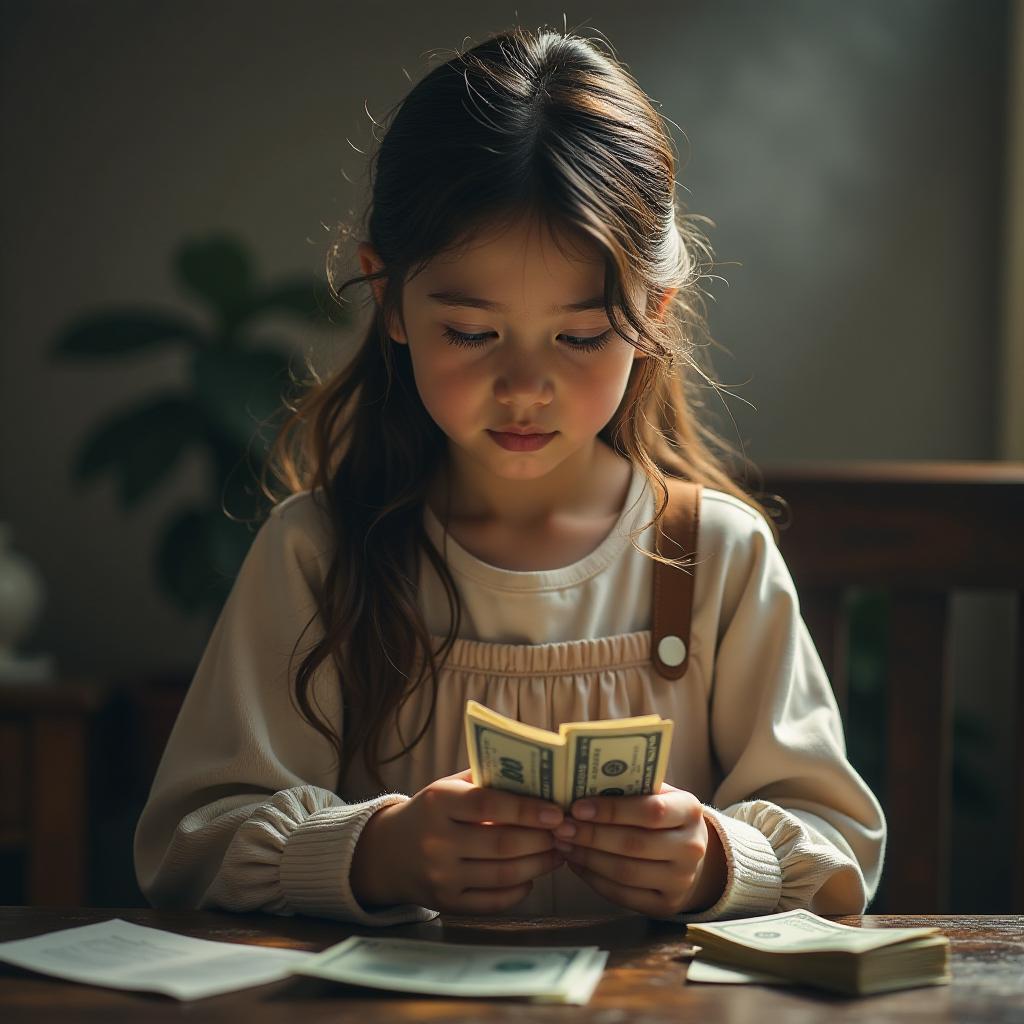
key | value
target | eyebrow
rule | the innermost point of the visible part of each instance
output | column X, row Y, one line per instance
column 454, row 297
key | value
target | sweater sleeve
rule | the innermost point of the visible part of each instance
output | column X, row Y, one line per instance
column 799, row 826
column 242, row 813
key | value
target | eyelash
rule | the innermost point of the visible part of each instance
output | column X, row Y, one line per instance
column 592, row 344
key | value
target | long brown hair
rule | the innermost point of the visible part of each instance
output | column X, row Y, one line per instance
column 543, row 124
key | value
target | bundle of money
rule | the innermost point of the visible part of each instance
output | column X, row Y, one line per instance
column 815, row 951
column 619, row 757
column 547, row 974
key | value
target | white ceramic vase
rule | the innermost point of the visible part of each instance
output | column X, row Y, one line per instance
column 22, row 594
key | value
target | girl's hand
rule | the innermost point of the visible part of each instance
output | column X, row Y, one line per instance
column 463, row 849
column 654, row 854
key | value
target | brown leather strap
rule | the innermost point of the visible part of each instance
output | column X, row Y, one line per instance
column 673, row 588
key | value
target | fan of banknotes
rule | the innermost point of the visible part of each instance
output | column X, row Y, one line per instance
column 544, row 974
column 617, row 757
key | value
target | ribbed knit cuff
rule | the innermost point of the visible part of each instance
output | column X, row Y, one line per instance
column 754, row 882
column 317, row 860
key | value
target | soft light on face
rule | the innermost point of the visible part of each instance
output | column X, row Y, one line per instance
column 494, row 341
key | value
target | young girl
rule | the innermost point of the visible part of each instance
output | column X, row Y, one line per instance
column 471, row 510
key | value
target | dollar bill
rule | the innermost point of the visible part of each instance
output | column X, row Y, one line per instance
column 800, row 931
column 806, row 948
column 618, row 757
column 549, row 974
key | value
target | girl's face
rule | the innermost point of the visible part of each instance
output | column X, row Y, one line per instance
column 494, row 342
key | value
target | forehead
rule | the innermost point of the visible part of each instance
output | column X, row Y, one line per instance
column 523, row 235
column 519, row 264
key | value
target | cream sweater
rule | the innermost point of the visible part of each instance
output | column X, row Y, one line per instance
column 242, row 814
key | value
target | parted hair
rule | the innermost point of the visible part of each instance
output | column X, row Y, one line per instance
column 546, row 124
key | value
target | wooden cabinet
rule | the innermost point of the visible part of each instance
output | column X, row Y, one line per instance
column 46, row 791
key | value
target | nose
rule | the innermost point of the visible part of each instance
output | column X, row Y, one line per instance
column 522, row 379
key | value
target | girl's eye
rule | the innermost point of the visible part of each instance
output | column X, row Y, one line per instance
column 591, row 344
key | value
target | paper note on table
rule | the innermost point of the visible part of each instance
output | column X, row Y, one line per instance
column 119, row 954
column 546, row 974
column 701, row 970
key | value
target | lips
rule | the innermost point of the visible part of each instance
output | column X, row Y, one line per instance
column 520, row 442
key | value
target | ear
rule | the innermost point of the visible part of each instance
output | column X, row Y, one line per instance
column 371, row 263
column 665, row 297
column 662, row 303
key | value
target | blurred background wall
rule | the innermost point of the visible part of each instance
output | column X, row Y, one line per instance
column 853, row 156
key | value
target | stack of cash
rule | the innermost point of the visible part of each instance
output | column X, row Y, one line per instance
column 546, row 974
column 620, row 757
column 814, row 951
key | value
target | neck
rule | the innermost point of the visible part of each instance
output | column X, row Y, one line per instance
column 464, row 492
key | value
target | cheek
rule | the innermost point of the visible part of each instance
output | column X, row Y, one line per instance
column 600, row 392
column 448, row 392
column 454, row 390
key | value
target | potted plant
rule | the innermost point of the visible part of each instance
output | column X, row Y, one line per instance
column 235, row 386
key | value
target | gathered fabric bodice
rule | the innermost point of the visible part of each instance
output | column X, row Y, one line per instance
column 545, row 682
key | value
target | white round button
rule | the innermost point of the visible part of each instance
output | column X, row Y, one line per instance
column 672, row 650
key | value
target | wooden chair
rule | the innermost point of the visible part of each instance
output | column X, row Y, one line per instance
column 917, row 531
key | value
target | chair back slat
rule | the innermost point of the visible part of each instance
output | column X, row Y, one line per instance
column 823, row 609
column 919, row 753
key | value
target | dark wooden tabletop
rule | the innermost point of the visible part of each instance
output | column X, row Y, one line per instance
column 644, row 979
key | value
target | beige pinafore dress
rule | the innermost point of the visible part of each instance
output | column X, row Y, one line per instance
column 660, row 669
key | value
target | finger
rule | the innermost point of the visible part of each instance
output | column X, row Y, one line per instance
column 625, row 840
column 644, row 901
column 679, row 848
column 502, row 874
column 671, row 808
column 482, row 803
column 628, row 871
column 500, row 842
column 490, row 901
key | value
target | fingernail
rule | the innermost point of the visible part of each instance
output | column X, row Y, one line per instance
column 584, row 809
column 549, row 816
column 566, row 830
column 564, row 847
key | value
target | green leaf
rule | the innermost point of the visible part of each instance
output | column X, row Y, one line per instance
column 241, row 389
column 308, row 298
column 219, row 270
column 140, row 446
column 109, row 334
column 182, row 563
column 240, row 494
column 199, row 556
column 228, row 542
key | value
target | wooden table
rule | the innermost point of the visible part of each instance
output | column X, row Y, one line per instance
column 644, row 979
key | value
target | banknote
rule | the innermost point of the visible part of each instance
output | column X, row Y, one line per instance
column 549, row 974
column 800, row 931
column 615, row 757
column 804, row 947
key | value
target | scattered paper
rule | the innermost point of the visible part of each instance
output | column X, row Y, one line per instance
column 119, row 954
column 552, row 974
